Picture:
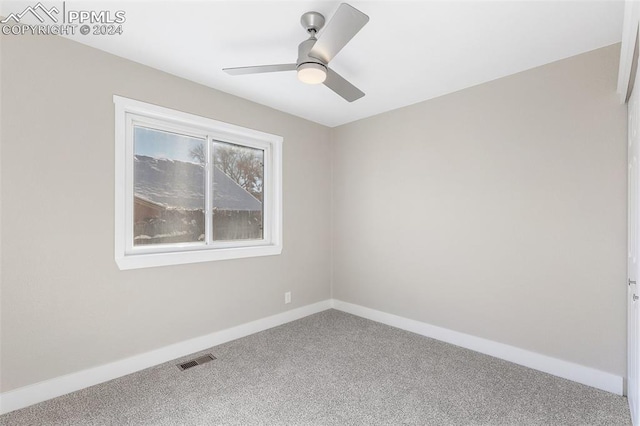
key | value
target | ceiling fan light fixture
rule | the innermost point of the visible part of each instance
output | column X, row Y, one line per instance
column 312, row 73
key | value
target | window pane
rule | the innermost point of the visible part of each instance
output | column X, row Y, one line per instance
column 169, row 183
column 237, row 182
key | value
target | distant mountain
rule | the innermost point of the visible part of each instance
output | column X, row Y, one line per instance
column 180, row 184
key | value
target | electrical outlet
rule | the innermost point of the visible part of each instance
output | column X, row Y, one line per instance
column 287, row 297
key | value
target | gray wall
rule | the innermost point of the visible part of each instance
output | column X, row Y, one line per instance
column 65, row 305
column 498, row 211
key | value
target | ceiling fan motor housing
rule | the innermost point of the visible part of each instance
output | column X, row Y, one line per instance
column 303, row 53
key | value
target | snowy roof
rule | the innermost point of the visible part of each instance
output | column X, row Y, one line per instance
column 179, row 184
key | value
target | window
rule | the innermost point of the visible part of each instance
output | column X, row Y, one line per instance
column 191, row 189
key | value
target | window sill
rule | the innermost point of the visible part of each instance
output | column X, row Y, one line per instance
column 148, row 260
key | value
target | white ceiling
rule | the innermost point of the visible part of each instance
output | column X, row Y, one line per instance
column 410, row 51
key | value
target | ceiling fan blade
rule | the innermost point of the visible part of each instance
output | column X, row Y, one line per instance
column 342, row 87
column 260, row 69
column 345, row 24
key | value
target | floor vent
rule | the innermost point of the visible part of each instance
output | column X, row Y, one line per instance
column 202, row 360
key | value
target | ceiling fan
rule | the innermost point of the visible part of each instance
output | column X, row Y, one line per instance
column 314, row 54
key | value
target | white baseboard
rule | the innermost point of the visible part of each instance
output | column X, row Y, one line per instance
column 38, row 392
column 557, row 367
column 42, row 391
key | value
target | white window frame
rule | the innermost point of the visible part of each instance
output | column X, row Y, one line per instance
column 129, row 112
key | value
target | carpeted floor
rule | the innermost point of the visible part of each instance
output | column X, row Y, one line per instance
column 333, row 368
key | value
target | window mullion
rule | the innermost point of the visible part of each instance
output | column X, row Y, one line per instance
column 266, row 194
column 208, row 196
